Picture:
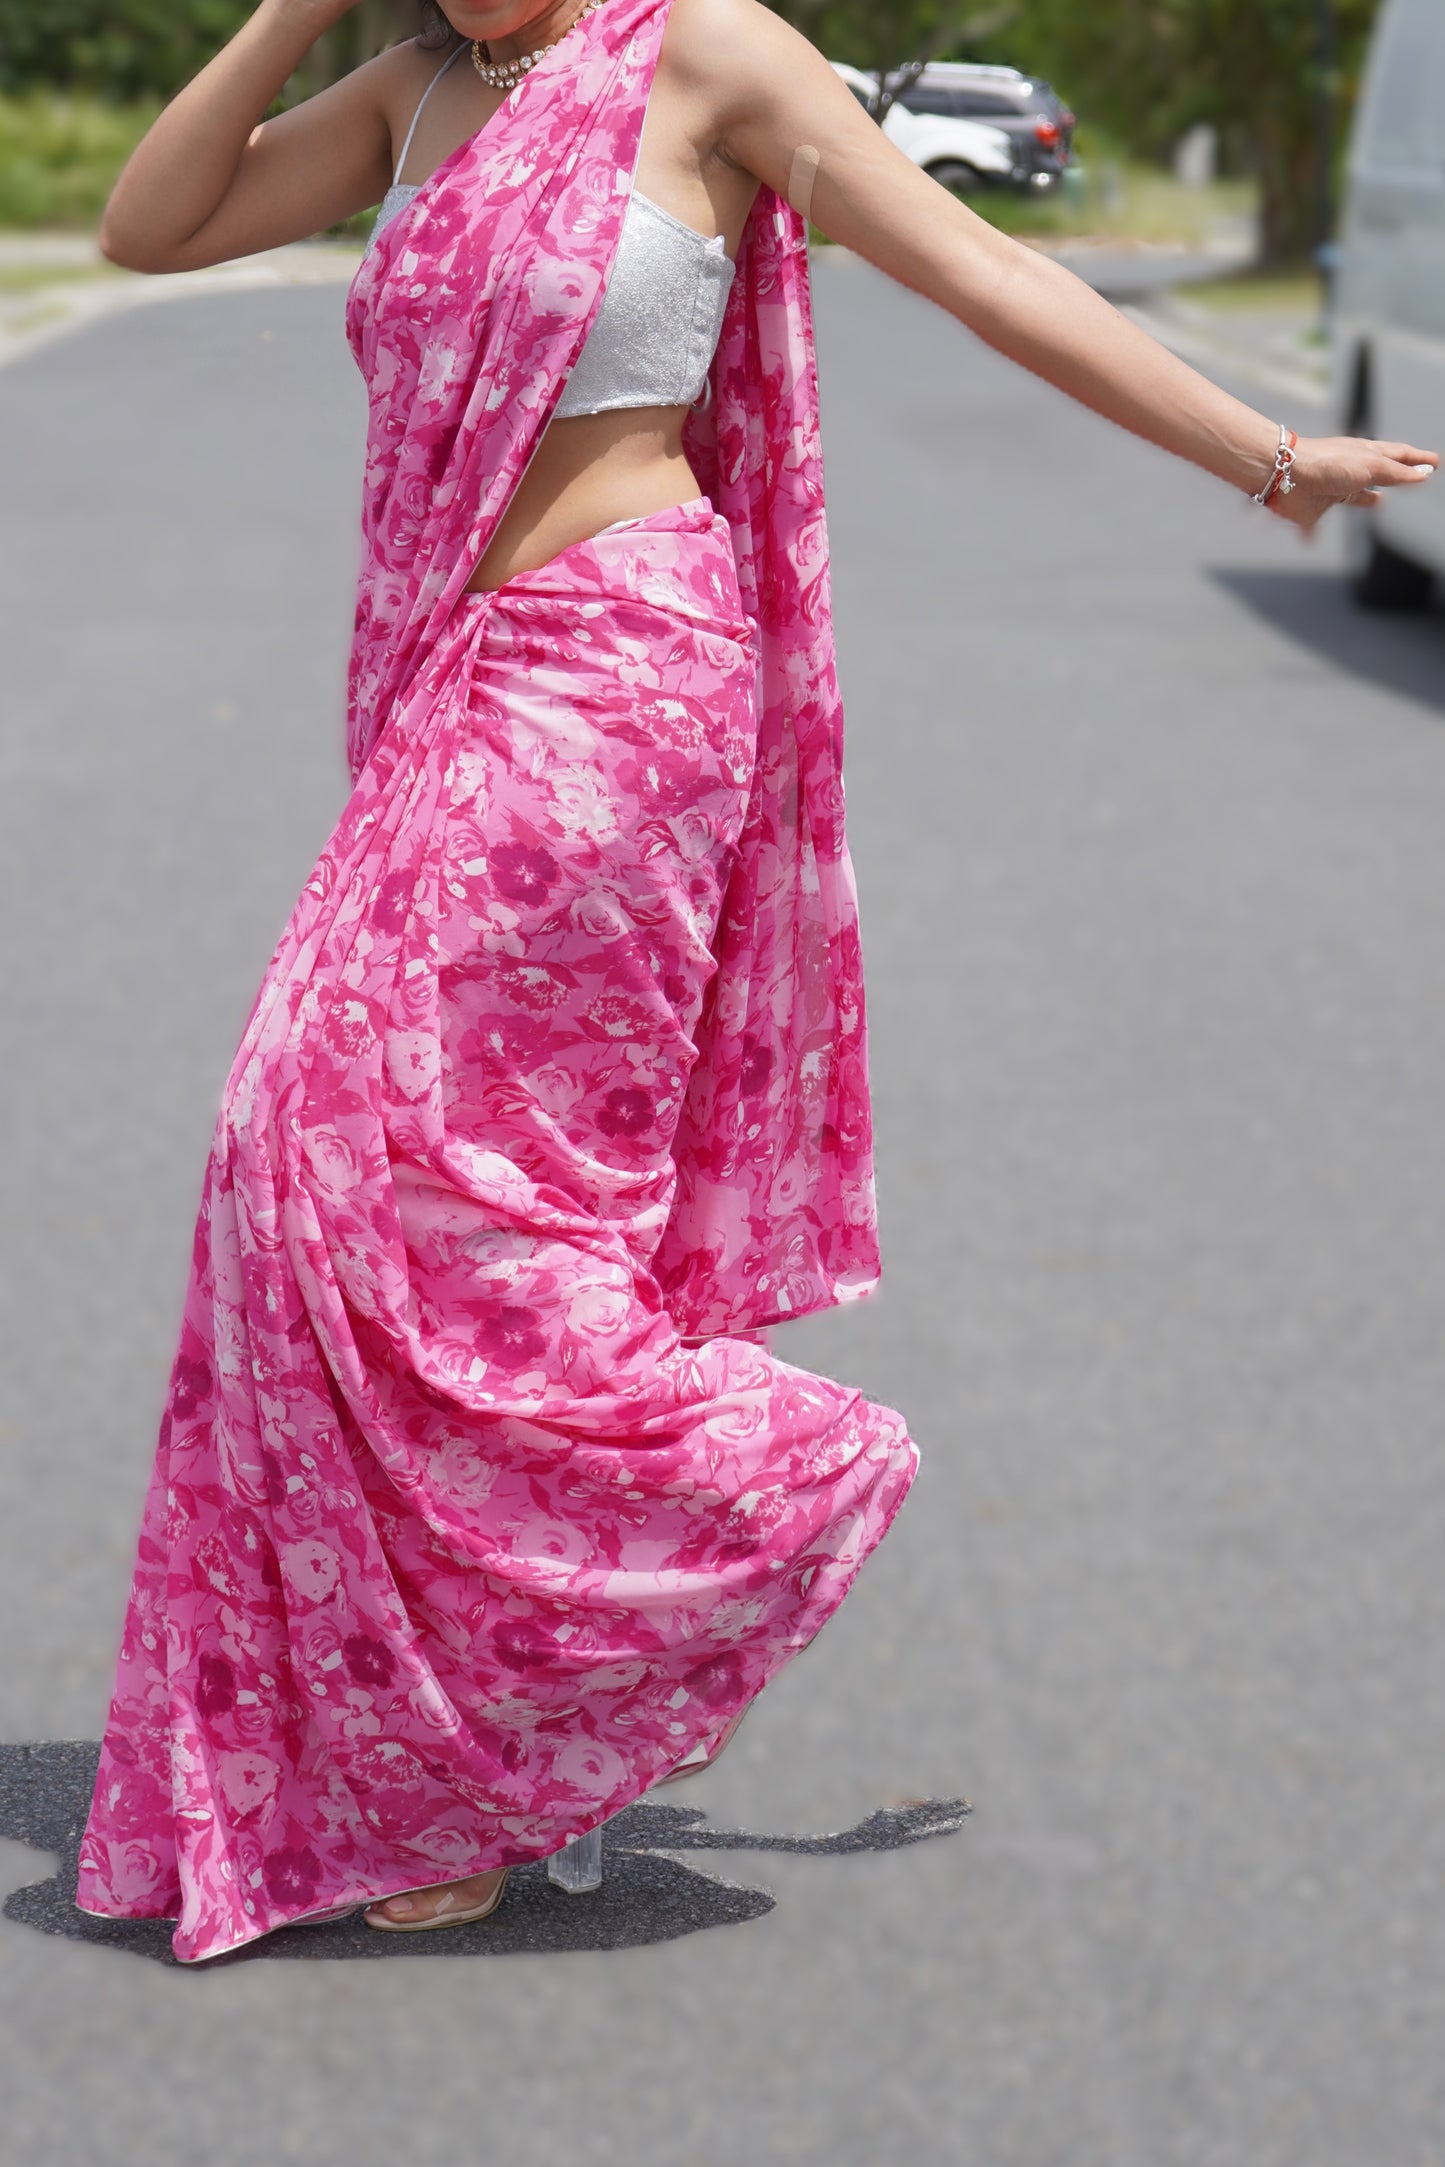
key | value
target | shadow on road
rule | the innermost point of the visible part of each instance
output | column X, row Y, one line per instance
column 1405, row 654
column 646, row 1896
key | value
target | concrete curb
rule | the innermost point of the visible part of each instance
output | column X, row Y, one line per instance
column 1218, row 354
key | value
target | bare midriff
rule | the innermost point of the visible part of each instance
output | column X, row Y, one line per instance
column 587, row 473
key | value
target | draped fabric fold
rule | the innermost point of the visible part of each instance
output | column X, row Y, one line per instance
column 457, row 1537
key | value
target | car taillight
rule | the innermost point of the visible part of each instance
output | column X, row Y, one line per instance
column 1046, row 133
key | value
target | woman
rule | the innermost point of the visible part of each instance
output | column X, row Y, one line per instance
column 480, row 1504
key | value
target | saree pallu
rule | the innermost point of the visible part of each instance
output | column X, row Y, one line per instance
column 466, row 1522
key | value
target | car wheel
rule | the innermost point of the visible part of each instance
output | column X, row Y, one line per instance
column 955, row 176
column 1380, row 578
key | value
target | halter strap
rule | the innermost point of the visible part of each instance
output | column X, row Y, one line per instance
column 416, row 116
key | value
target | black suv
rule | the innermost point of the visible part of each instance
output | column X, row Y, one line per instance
column 1036, row 121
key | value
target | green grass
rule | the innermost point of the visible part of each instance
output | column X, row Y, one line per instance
column 59, row 156
column 19, row 278
column 1286, row 293
column 354, row 229
column 1114, row 199
column 35, row 319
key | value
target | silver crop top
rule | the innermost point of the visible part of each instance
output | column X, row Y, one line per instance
column 653, row 338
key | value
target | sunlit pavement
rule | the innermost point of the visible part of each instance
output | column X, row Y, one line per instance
column 1148, row 828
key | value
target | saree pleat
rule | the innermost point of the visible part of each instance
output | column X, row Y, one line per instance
column 465, row 1523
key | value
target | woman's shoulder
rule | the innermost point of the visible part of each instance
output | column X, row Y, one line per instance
column 397, row 78
column 696, row 27
column 729, row 46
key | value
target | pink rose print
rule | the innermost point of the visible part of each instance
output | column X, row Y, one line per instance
column 616, row 1016
column 522, row 874
column 292, row 1878
column 717, row 1682
column 626, row 1111
column 509, row 1336
column 215, row 1685
column 368, row 1661
column 191, row 1387
column 391, row 904
column 249, row 1781
column 522, row 1645
column 311, row 1571
column 335, row 1168
column 755, row 1068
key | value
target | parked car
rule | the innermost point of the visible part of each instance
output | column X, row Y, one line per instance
column 962, row 154
column 1035, row 119
column 937, row 123
column 1389, row 298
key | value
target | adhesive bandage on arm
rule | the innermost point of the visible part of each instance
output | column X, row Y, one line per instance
column 802, row 178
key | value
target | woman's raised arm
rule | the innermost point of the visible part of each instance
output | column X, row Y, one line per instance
column 211, row 180
column 778, row 94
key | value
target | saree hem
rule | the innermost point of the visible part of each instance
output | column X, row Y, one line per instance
column 378, row 1888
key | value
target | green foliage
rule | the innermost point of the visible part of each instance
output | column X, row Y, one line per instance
column 1149, row 68
column 880, row 34
column 1118, row 199
column 59, row 156
column 1143, row 69
column 1277, row 77
column 116, row 49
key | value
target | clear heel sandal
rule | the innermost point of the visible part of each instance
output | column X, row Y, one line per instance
column 577, row 1867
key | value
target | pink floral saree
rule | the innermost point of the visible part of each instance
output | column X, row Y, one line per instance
column 474, row 1512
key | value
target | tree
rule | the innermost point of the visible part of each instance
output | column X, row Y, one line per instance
column 119, row 49
column 1286, row 72
column 892, row 43
column 125, row 49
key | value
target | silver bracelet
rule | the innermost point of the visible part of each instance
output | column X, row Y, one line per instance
column 1281, row 479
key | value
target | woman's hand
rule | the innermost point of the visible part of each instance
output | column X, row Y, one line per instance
column 1330, row 470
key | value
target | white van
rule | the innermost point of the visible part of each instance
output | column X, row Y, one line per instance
column 1389, row 301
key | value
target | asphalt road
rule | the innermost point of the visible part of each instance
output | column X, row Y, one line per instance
column 1148, row 829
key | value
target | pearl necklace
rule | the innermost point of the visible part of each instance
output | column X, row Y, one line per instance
column 506, row 74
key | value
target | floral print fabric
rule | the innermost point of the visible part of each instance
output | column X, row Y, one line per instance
column 454, row 1542
column 466, row 318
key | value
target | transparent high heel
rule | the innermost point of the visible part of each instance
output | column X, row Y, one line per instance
column 577, row 1867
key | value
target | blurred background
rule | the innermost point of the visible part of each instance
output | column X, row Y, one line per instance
column 1251, row 94
column 1146, row 801
column 1191, row 150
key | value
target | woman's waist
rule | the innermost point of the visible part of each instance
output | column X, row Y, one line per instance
column 674, row 564
column 587, row 474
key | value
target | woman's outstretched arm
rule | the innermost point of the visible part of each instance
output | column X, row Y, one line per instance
column 777, row 94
